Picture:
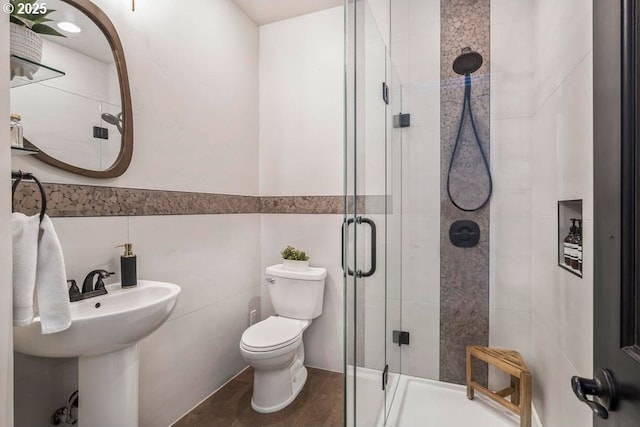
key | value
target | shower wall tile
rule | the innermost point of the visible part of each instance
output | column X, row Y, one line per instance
column 415, row 51
column 381, row 11
column 464, row 273
column 564, row 35
column 510, row 148
column 512, row 108
column 553, row 398
column 422, row 357
column 507, row 11
column 421, row 172
column 502, row 324
column 421, row 259
column 512, row 64
column 562, row 169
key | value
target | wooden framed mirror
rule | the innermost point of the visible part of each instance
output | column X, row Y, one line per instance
column 81, row 122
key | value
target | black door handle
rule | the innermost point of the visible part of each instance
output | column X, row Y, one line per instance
column 372, row 225
column 374, row 248
column 345, row 224
column 603, row 390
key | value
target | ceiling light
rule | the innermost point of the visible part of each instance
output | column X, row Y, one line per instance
column 68, row 27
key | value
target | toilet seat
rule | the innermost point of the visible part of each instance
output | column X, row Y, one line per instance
column 272, row 334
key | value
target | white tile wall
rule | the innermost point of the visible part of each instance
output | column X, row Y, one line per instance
column 562, row 169
column 415, row 51
column 512, row 83
column 563, row 33
column 6, row 321
column 195, row 354
column 301, row 137
column 301, row 100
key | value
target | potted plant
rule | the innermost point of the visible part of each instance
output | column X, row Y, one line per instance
column 28, row 20
column 294, row 259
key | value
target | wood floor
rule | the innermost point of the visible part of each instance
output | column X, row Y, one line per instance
column 319, row 404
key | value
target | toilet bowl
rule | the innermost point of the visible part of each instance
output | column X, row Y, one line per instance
column 274, row 347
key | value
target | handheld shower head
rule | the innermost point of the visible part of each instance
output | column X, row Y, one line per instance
column 467, row 62
column 113, row 120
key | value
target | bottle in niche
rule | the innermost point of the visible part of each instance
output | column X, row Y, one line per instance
column 578, row 239
column 16, row 131
column 128, row 271
column 568, row 245
column 574, row 245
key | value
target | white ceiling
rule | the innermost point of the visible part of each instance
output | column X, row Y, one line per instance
column 266, row 11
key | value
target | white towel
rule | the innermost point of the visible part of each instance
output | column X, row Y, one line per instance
column 51, row 281
column 25, row 254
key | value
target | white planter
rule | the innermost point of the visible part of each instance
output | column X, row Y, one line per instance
column 25, row 44
column 291, row 265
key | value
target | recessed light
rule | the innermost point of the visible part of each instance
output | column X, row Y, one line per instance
column 68, row 27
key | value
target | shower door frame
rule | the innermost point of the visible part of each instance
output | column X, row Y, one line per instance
column 372, row 175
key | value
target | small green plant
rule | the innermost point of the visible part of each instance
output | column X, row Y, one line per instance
column 31, row 14
column 293, row 254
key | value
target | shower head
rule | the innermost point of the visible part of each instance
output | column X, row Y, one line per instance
column 113, row 120
column 467, row 62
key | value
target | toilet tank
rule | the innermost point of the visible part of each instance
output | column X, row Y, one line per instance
column 296, row 294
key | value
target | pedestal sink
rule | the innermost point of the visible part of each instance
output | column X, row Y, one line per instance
column 103, row 335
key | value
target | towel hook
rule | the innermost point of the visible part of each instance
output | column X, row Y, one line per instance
column 19, row 176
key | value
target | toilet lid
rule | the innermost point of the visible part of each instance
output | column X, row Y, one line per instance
column 271, row 334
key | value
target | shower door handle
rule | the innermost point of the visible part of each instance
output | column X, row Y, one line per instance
column 374, row 248
column 345, row 227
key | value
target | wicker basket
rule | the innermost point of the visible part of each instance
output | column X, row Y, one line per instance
column 25, row 44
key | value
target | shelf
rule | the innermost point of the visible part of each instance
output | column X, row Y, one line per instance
column 24, row 72
column 18, row 151
column 571, row 269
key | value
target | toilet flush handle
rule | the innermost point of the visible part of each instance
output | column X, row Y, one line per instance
column 270, row 280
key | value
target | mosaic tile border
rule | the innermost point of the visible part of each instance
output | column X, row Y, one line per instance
column 464, row 272
column 71, row 200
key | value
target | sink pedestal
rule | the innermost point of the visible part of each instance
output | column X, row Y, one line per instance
column 108, row 389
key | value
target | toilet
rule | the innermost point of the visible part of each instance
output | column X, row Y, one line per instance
column 273, row 347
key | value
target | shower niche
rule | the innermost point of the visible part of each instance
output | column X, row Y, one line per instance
column 570, row 236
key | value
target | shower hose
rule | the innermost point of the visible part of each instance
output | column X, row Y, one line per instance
column 466, row 104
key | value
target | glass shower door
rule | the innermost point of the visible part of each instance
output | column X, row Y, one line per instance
column 372, row 221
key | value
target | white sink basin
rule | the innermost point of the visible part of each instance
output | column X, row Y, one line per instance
column 105, row 323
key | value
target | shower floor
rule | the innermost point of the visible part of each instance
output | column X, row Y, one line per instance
column 419, row 400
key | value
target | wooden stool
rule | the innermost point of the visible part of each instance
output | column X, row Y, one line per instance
column 520, row 389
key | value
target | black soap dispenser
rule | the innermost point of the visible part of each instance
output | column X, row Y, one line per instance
column 128, row 271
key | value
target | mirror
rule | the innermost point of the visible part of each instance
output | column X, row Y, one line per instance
column 80, row 121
